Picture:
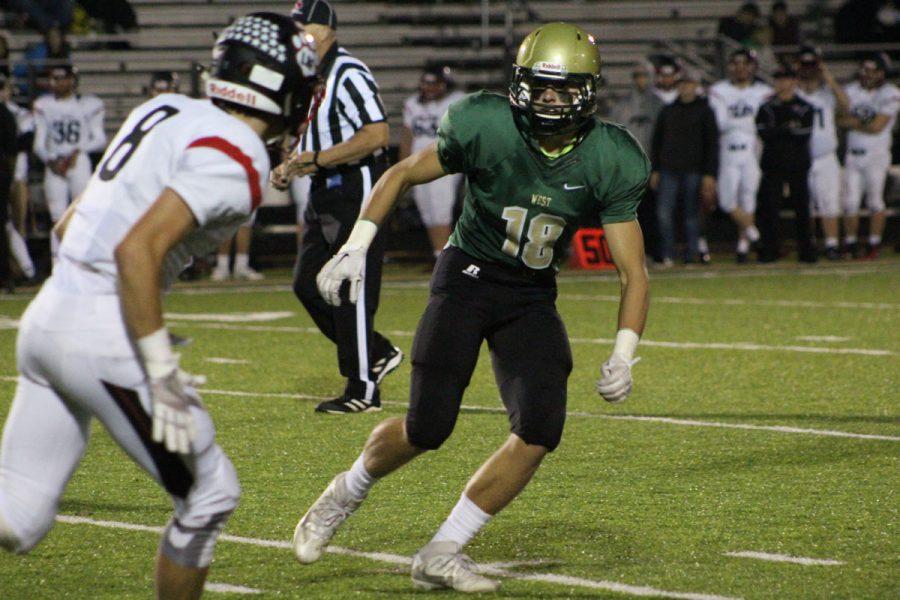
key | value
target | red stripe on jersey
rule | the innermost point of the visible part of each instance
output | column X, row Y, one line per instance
column 235, row 153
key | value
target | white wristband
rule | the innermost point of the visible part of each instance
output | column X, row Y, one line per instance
column 156, row 352
column 361, row 237
column 626, row 343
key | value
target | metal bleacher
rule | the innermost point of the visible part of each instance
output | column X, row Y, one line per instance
column 397, row 39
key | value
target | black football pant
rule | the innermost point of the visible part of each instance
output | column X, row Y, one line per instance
column 791, row 187
column 333, row 208
column 472, row 301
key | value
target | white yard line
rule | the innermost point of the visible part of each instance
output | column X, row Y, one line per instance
column 578, row 414
column 737, row 302
column 797, row 560
column 822, row 338
column 232, row 317
column 740, row 346
column 218, row 360
column 227, row 588
column 396, row 559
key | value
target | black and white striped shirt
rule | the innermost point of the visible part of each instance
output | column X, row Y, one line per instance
column 350, row 101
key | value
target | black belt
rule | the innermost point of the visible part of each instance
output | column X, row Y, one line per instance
column 736, row 147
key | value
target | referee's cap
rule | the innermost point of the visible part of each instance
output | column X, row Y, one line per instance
column 319, row 12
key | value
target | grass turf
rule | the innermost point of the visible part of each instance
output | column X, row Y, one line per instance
column 639, row 503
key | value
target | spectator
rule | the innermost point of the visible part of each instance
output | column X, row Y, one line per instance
column 44, row 14
column 7, row 164
column 422, row 114
column 4, row 56
column 819, row 88
column 53, row 50
column 666, row 85
column 684, row 155
column 735, row 102
column 638, row 111
column 785, row 125
column 741, row 27
column 115, row 15
column 873, row 110
column 18, row 198
column 784, row 28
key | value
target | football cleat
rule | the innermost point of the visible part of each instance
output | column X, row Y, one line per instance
column 387, row 364
column 872, row 251
column 220, row 274
column 248, row 274
column 705, row 258
column 832, row 253
column 346, row 404
column 741, row 258
column 851, row 250
column 321, row 521
column 440, row 565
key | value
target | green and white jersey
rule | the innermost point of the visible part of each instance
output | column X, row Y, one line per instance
column 521, row 207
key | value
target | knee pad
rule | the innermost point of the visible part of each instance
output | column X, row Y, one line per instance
column 190, row 536
column 428, row 435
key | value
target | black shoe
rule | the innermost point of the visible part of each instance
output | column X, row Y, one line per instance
column 808, row 257
column 345, row 404
column 851, row 250
column 832, row 253
column 872, row 251
column 741, row 258
column 387, row 364
column 705, row 258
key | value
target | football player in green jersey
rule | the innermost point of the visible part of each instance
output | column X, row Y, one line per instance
column 537, row 164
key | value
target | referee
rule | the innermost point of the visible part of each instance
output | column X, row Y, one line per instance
column 344, row 152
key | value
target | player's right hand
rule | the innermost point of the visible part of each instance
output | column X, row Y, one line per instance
column 173, row 424
column 346, row 265
column 615, row 381
column 280, row 177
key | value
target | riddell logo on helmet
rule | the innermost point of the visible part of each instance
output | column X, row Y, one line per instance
column 225, row 92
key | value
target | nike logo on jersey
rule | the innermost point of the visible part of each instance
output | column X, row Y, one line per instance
column 472, row 271
column 570, row 188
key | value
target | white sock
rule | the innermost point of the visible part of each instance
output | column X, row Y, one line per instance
column 465, row 520
column 702, row 245
column 222, row 262
column 850, row 239
column 358, row 480
column 752, row 233
column 831, row 242
column 241, row 262
column 20, row 251
column 874, row 240
column 743, row 246
column 436, row 253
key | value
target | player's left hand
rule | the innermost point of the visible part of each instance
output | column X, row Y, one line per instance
column 173, row 424
column 614, row 384
column 346, row 265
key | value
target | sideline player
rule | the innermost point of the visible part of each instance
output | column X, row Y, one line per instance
column 819, row 88
column 18, row 205
column 537, row 164
column 736, row 101
column 873, row 109
column 180, row 176
column 68, row 127
column 422, row 114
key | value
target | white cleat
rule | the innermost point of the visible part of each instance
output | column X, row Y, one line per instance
column 248, row 274
column 319, row 524
column 440, row 565
column 220, row 274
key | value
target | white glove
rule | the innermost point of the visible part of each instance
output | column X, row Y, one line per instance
column 346, row 265
column 172, row 420
column 615, row 378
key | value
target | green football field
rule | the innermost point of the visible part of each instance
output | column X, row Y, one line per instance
column 756, row 458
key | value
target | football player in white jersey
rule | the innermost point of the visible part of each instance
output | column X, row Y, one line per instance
column 422, row 114
column 873, row 110
column 736, row 101
column 68, row 127
column 179, row 177
column 819, row 88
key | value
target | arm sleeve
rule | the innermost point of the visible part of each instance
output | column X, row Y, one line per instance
column 889, row 105
column 41, row 129
column 711, row 144
column 96, row 138
column 217, row 180
column 358, row 98
column 628, row 185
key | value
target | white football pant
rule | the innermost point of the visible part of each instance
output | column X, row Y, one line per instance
column 865, row 175
column 435, row 200
column 76, row 362
column 60, row 191
column 825, row 186
column 738, row 182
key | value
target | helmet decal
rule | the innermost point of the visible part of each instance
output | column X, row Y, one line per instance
column 258, row 33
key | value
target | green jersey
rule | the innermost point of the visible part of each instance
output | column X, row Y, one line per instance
column 521, row 207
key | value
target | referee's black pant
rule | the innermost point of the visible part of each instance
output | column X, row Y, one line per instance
column 334, row 203
column 775, row 188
